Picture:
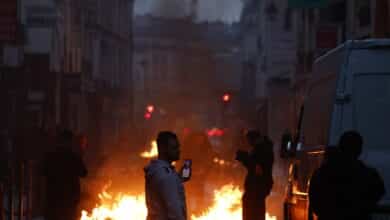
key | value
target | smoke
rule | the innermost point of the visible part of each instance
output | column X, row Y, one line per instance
column 207, row 10
column 219, row 10
column 162, row 8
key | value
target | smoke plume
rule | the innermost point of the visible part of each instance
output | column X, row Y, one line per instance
column 207, row 10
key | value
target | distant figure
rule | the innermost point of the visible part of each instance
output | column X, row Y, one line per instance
column 344, row 188
column 63, row 169
column 258, row 181
column 165, row 196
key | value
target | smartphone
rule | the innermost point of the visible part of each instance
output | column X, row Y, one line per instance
column 186, row 170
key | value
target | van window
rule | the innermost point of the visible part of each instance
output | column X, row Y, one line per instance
column 317, row 113
column 371, row 103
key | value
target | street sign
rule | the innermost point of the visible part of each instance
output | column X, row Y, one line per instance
column 307, row 3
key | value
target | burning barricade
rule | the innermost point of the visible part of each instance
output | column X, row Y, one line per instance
column 224, row 200
column 226, row 205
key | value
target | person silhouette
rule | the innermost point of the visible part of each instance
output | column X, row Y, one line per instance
column 344, row 188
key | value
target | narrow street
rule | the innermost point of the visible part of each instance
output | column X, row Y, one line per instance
column 194, row 109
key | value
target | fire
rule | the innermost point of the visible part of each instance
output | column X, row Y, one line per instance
column 120, row 207
column 223, row 163
column 227, row 206
column 152, row 153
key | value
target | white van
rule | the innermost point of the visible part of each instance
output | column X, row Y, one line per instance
column 349, row 90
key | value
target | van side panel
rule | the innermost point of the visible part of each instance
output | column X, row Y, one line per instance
column 369, row 109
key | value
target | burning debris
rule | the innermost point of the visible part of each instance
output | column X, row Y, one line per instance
column 152, row 153
column 224, row 202
column 226, row 206
column 118, row 207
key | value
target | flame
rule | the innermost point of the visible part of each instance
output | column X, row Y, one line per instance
column 120, row 207
column 152, row 153
column 227, row 206
column 222, row 162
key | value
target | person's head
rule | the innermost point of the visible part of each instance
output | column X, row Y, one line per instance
column 168, row 146
column 253, row 137
column 351, row 145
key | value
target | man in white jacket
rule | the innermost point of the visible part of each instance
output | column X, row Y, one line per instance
column 165, row 196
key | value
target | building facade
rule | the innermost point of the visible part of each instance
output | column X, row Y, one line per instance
column 67, row 64
column 182, row 68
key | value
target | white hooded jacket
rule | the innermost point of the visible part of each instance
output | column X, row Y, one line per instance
column 164, row 191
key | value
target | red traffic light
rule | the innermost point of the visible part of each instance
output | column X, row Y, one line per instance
column 215, row 132
column 226, row 97
column 148, row 116
column 150, row 108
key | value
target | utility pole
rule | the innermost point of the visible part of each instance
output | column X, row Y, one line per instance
column 381, row 19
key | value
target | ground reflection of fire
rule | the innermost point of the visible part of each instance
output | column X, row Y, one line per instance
column 226, row 206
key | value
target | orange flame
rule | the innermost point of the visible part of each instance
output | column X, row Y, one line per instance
column 152, row 153
column 227, row 206
column 120, row 207
column 222, row 162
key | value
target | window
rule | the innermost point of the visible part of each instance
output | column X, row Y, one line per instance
column 318, row 110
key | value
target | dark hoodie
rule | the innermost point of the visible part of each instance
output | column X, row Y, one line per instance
column 344, row 190
column 164, row 191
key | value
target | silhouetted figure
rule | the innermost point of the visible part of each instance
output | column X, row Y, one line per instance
column 344, row 188
column 258, row 181
column 164, row 191
column 63, row 169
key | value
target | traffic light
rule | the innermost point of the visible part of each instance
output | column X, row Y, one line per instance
column 226, row 98
column 150, row 109
column 148, row 116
